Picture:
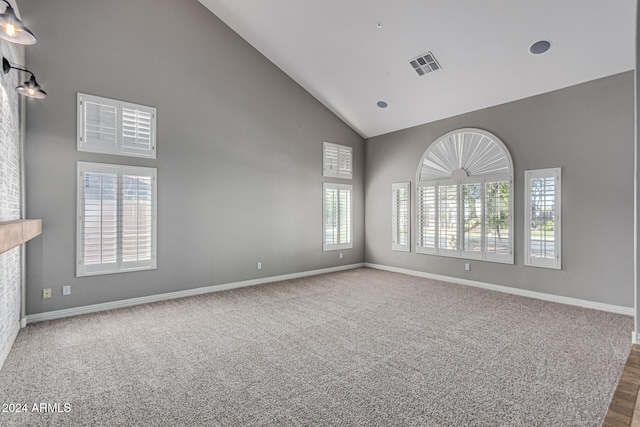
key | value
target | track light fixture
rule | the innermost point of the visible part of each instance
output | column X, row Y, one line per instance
column 12, row 29
column 30, row 88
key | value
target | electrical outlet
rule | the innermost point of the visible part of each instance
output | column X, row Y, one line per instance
column 66, row 290
column 259, row 265
column 46, row 293
column 467, row 266
column 340, row 255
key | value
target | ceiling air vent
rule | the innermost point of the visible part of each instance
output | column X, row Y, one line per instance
column 424, row 64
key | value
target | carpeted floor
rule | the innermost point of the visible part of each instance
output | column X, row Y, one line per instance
column 361, row 347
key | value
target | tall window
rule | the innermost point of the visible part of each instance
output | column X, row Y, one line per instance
column 116, row 218
column 400, row 220
column 464, row 198
column 337, row 218
column 542, row 218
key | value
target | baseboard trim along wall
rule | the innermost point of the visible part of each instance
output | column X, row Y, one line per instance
column 94, row 308
column 628, row 311
column 12, row 338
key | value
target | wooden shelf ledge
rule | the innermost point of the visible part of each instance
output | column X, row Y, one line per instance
column 15, row 233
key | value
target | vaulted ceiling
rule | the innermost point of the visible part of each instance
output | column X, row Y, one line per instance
column 352, row 54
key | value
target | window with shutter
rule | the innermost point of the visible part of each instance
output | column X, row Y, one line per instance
column 116, row 218
column 114, row 127
column 337, row 216
column 400, row 221
column 464, row 206
column 426, row 219
column 337, row 161
column 542, row 218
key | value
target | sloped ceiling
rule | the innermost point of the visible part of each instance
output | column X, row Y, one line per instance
column 352, row 54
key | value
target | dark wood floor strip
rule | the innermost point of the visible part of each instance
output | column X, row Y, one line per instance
column 623, row 404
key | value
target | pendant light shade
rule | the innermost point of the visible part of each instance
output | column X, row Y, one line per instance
column 30, row 88
column 12, row 29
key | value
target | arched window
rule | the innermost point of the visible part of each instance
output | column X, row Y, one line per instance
column 465, row 197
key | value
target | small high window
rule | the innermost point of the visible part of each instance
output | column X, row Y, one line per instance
column 115, row 127
column 337, row 160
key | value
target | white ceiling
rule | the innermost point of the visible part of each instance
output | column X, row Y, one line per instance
column 335, row 50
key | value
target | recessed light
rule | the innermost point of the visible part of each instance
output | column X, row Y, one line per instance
column 382, row 104
column 540, row 47
column 379, row 25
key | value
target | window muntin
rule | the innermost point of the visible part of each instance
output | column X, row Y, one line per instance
column 400, row 216
column 464, row 198
column 115, row 127
column 116, row 218
column 337, row 216
column 542, row 218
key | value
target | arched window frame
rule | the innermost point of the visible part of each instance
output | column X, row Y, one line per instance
column 462, row 162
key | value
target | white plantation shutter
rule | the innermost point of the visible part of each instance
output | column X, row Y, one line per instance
column 138, row 125
column 116, row 218
column 100, row 125
column 542, row 218
column 465, row 200
column 115, row 127
column 472, row 213
column 400, row 221
column 426, row 219
column 448, row 218
column 337, row 216
column 497, row 220
column 337, row 161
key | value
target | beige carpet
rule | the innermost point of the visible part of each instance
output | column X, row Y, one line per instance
column 361, row 347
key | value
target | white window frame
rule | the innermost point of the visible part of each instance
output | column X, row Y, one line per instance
column 337, row 160
column 339, row 245
column 120, row 265
column 396, row 216
column 529, row 259
column 486, row 160
column 459, row 252
column 118, row 146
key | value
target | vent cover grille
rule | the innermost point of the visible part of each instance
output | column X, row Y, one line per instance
column 424, row 64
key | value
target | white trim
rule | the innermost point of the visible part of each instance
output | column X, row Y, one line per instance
column 119, row 266
column 340, row 245
column 118, row 145
column 12, row 339
column 627, row 311
column 395, row 188
column 338, row 165
column 529, row 175
column 94, row 308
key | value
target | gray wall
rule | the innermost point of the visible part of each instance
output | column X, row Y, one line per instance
column 588, row 130
column 239, row 149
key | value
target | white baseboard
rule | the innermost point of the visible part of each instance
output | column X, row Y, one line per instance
column 628, row 311
column 12, row 338
column 94, row 308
